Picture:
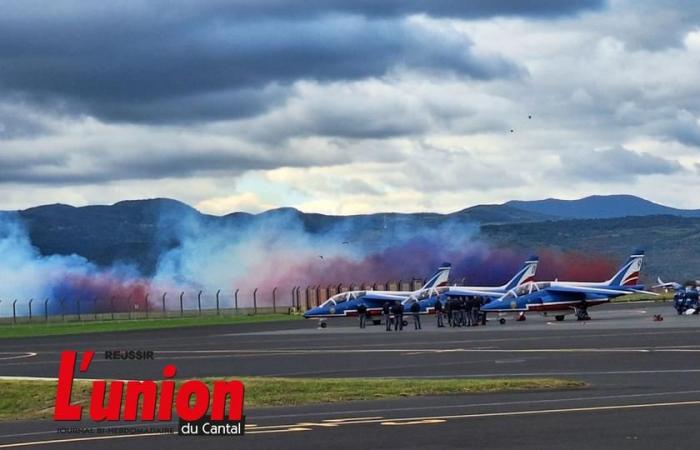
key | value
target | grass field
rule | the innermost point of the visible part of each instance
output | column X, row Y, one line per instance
column 22, row 400
column 61, row 328
column 643, row 298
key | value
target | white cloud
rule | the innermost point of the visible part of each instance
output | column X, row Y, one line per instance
column 409, row 139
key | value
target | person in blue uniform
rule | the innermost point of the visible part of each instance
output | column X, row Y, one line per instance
column 362, row 314
column 386, row 312
column 438, row 313
column 415, row 311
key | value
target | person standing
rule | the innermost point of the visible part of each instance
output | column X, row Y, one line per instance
column 438, row 313
column 469, row 309
column 415, row 310
column 362, row 314
column 386, row 312
column 397, row 311
column 450, row 312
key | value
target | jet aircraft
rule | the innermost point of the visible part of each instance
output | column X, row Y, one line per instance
column 567, row 297
column 346, row 303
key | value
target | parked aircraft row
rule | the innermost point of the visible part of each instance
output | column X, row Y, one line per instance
column 520, row 295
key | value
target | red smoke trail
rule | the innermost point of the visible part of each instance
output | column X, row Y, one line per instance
column 575, row 266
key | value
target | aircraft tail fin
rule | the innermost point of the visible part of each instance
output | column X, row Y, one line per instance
column 439, row 278
column 524, row 275
column 628, row 275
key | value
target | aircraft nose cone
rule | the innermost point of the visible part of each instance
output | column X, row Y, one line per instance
column 310, row 313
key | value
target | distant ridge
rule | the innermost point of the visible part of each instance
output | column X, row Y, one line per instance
column 139, row 231
column 600, row 207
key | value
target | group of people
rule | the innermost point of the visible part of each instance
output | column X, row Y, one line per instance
column 464, row 311
column 460, row 311
column 393, row 315
column 685, row 299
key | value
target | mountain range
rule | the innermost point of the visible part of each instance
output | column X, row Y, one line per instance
column 137, row 231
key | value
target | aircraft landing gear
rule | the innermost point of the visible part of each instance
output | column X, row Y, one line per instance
column 582, row 314
column 323, row 324
column 559, row 318
column 502, row 321
column 376, row 321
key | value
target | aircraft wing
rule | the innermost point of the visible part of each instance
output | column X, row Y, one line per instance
column 642, row 291
column 563, row 289
column 383, row 297
column 667, row 285
column 456, row 290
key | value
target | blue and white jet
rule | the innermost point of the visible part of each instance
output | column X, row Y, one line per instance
column 345, row 304
column 568, row 297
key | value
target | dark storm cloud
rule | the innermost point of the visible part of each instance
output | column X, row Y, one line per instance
column 62, row 170
column 156, row 61
column 615, row 164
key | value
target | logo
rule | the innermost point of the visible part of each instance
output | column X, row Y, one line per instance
column 200, row 410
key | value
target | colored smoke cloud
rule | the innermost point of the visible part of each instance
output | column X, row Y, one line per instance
column 275, row 251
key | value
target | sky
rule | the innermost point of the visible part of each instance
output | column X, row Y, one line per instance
column 346, row 107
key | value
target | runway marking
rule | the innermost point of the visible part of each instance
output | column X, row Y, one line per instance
column 21, row 355
column 350, row 419
column 476, row 405
column 415, row 422
column 529, row 374
column 416, row 351
column 83, row 439
column 305, row 426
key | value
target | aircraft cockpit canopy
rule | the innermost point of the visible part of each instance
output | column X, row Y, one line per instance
column 343, row 297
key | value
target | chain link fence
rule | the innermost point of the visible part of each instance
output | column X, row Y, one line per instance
column 173, row 304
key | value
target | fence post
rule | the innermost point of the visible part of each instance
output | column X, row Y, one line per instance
column 199, row 303
column 235, row 298
column 274, row 300
column 146, row 305
column 94, row 307
column 77, row 307
column 111, row 306
column 46, row 310
column 63, row 313
column 163, row 301
column 255, row 301
column 30, row 308
column 298, row 293
column 294, row 290
column 128, row 307
column 217, row 301
column 181, row 310
column 14, row 312
column 306, row 296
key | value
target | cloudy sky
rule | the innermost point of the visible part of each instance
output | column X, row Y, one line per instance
column 348, row 106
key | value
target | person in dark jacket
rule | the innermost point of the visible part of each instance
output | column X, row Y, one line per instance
column 468, row 310
column 386, row 312
column 397, row 311
column 415, row 311
column 362, row 314
column 449, row 311
column 438, row 313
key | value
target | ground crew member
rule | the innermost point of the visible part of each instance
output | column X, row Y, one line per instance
column 438, row 313
column 456, row 313
column 415, row 310
column 386, row 312
column 469, row 308
column 479, row 312
column 362, row 314
column 448, row 310
column 397, row 311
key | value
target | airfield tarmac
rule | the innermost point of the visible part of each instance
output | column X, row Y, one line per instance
column 643, row 377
